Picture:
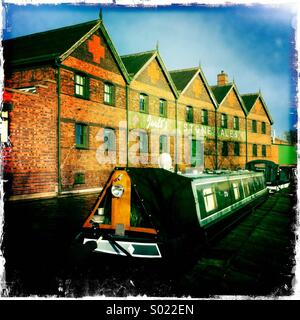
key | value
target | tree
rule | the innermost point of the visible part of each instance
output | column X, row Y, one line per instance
column 291, row 136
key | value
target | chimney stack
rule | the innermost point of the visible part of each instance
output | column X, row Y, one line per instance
column 222, row 78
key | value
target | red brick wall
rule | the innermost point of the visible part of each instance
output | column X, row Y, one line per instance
column 94, row 43
column 31, row 164
column 152, row 82
column 259, row 114
column 197, row 91
column 95, row 114
column 29, row 77
column 196, row 96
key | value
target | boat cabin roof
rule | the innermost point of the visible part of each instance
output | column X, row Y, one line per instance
column 221, row 176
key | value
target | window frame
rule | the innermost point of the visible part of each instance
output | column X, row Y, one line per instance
column 236, row 190
column 204, row 117
column 236, row 151
column 110, row 95
column 85, row 144
column 254, row 150
column 111, row 146
column 263, row 128
column 163, row 102
column 142, row 148
column 209, row 197
column 254, row 126
column 196, row 149
column 224, row 120
column 4, row 127
column 264, row 150
column 79, row 178
column 145, row 98
column 224, row 154
column 189, row 114
column 163, row 139
column 236, row 123
column 85, row 86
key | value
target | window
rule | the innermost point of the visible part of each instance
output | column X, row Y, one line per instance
column 197, row 150
column 236, row 123
column 254, row 126
column 204, row 117
column 109, row 91
column 236, row 149
column 109, row 139
column 79, row 178
column 189, row 114
column 246, row 188
column 81, row 86
column 236, row 190
column 263, row 151
column 254, row 150
column 81, row 135
column 263, row 127
column 209, row 199
column 143, row 103
column 143, row 142
column 162, row 108
column 3, row 126
column 225, row 148
column 163, row 144
column 224, row 120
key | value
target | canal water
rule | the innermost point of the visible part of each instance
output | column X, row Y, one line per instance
column 42, row 259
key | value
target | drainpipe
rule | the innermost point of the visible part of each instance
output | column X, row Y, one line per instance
column 216, row 140
column 127, row 125
column 58, row 89
column 246, row 128
column 176, row 135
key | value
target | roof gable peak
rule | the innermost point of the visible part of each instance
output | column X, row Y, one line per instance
column 257, row 96
column 183, row 70
column 138, row 53
column 228, row 84
column 138, row 62
column 250, row 94
column 99, row 26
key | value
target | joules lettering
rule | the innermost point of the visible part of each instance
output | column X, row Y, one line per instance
column 158, row 123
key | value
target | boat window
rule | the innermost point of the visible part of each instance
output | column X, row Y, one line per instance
column 251, row 186
column 209, row 199
column 246, row 188
column 236, row 190
column 258, row 183
column 223, row 187
column 224, row 194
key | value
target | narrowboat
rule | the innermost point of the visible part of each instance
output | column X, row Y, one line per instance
column 151, row 212
column 276, row 176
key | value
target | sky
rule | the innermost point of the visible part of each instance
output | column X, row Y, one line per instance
column 253, row 44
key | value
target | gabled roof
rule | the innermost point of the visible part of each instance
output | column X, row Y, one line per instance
column 249, row 101
column 221, row 92
column 137, row 62
column 184, row 77
column 44, row 46
column 54, row 44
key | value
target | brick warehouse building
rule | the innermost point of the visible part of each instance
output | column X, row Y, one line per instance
column 74, row 109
